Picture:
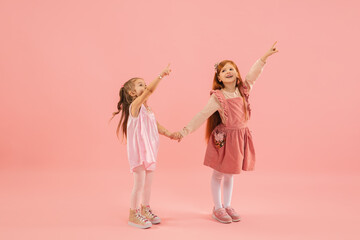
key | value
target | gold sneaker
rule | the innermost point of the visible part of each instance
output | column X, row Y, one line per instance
column 146, row 212
column 137, row 220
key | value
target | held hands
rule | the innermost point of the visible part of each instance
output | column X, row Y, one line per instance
column 270, row 52
column 173, row 136
column 176, row 136
column 165, row 72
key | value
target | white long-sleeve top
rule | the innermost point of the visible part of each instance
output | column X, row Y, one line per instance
column 213, row 104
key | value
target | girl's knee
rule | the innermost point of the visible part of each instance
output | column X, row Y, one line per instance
column 138, row 188
column 228, row 178
column 218, row 175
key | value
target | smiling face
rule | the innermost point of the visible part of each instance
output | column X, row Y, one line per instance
column 228, row 74
column 139, row 87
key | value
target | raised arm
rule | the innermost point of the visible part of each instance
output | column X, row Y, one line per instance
column 136, row 104
column 254, row 72
column 257, row 68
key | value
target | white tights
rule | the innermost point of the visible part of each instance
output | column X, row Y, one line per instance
column 216, row 188
column 142, row 187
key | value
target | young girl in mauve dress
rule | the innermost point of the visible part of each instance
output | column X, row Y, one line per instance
column 230, row 147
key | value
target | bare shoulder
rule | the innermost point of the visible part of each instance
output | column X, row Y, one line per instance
column 134, row 109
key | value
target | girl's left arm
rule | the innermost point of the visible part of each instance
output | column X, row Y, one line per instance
column 257, row 68
column 162, row 130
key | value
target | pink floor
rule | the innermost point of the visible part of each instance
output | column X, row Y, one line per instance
column 93, row 204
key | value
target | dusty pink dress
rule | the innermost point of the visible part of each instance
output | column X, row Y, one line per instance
column 230, row 148
column 142, row 139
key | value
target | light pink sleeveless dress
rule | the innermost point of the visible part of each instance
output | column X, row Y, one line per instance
column 230, row 148
column 142, row 139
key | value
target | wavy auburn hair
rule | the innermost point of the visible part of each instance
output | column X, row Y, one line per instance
column 215, row 119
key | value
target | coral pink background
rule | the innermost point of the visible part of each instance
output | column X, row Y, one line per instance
column 64, row 174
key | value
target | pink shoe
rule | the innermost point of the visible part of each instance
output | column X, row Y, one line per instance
column 233, row 214
column 147, row 212
column 138, row 220
column 221, row 215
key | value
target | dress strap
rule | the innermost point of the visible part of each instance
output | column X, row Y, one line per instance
column 224, row 105
column 244, row 89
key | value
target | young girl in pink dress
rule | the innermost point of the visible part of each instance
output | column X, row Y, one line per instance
column 142, row 134
column 230, row 147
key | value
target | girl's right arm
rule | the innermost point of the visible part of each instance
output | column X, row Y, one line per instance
column 211, row 107
column 136, row 104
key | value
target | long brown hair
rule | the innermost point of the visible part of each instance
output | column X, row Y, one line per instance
column 215, row 119
column 124, row 104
